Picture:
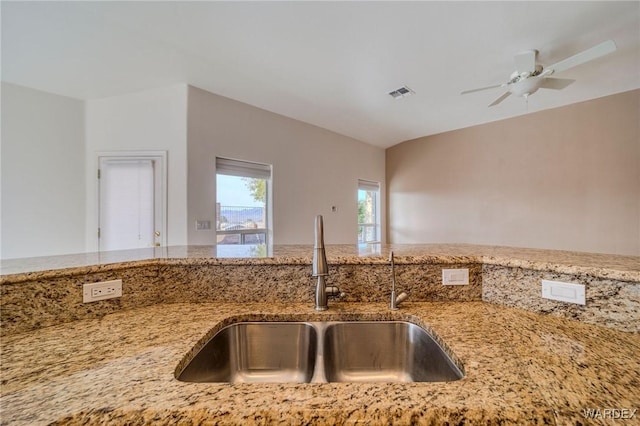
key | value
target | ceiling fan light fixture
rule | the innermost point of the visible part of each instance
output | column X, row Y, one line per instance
column 525, row 87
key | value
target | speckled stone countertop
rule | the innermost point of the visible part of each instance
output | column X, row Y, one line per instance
column 520, row 368
column 619, row 267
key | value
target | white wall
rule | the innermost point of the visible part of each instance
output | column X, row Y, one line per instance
column 43, row 193
column 149, row 120
column 313, row 168
column 566, row 178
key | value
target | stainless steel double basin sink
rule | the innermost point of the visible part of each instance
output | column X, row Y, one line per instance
column 321, row 352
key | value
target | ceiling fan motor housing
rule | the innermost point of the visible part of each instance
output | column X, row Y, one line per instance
column 524, row 83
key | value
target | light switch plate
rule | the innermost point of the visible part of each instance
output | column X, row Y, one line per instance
column 203, row 225
column 564, row 292
column 455, row 276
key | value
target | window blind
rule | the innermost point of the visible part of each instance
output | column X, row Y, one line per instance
column 367, row 185
column 227, row 166
column 126, row 204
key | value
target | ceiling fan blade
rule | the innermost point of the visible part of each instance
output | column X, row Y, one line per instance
column 585, row 56
column 500, row 99
column 526, row 61
column 556, row 83
column 481, row 88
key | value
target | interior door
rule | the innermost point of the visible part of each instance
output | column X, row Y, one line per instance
column 130, row 202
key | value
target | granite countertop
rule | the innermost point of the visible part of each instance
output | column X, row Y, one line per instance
column 618, row 267
column 521, row 368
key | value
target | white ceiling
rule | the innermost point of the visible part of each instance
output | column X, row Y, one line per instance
column 330, row 64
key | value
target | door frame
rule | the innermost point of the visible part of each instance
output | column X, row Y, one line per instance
column 160, row 185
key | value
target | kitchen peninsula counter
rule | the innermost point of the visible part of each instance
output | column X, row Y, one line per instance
column 618, row 267
column 520, row 368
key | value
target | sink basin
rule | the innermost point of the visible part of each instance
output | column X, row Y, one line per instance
column 389, row 351
column 321, row 352
column 256, row 352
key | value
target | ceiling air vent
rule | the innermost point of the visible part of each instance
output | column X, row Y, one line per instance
column 402, row 92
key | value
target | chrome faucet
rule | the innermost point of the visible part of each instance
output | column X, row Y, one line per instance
column 321, row 269
column 395, row 301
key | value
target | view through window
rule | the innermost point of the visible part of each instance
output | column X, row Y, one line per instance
column 242, row 202
column 368, row 212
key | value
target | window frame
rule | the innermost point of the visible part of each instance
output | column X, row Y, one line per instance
column 247, row 169
column 370, row 186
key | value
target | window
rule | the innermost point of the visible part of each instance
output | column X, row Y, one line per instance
column 242, row 202
column 368, row 212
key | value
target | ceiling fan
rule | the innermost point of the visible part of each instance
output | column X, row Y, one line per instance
column 529, row 76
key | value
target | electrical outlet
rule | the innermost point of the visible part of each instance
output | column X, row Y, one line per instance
column 455, row 276
column 101, row 291
column 563, row 292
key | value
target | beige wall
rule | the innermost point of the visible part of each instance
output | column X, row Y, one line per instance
column 150, row 120
column 566, row 178
column 42, row 173
column 313, row 168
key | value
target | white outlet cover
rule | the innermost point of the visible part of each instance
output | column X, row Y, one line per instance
column 564, row 292
column 107, row 290
column 455, row 276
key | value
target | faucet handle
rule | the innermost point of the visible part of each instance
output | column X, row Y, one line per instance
column 333, row 291
column 395, row 301
column 401, row 297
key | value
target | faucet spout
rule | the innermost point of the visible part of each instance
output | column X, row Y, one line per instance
column 322, row 303
column 321, row 269
column 395, row 301
column 320, row 266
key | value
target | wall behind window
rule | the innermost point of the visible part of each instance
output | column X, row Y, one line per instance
column 565, row 178
column 43, row 193
column 313, row 168
column 147, row 120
